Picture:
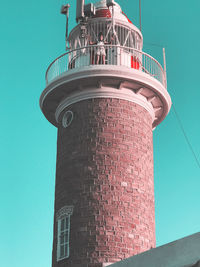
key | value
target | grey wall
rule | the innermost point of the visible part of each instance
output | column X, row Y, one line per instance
column 183, row 252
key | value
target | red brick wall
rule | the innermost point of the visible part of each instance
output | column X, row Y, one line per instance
column 105, row 169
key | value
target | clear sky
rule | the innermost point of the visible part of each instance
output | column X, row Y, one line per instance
column 32, row 35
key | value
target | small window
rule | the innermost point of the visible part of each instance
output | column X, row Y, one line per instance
column 63, row 222
column 67, row 118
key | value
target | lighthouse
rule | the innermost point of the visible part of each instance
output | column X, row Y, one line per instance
column 105, row 95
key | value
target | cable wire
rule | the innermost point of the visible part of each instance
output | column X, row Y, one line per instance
column 180, row 122
column 140, row 8
column 185, row 135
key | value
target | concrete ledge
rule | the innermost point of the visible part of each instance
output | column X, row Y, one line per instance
column 117, row 77
column 181, row 253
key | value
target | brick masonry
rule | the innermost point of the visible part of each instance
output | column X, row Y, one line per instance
column 105, row 170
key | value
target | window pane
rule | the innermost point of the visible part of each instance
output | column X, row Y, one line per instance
column 66, row 236
column 62, row 224
column 62, row 251
column 66, row 250
column 62, row 239
column 67, row 222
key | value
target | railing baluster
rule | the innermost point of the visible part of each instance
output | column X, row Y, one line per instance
column 115, row 55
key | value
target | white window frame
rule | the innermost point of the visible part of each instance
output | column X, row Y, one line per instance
column 63, row 232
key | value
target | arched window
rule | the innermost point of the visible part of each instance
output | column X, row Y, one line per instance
column 63, row 232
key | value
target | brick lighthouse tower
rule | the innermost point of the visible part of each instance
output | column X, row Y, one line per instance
column 105, row 96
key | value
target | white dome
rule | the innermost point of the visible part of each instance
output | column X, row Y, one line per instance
column 100, row 4
column 118, row 14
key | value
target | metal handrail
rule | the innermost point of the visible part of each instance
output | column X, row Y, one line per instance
column 145, row 62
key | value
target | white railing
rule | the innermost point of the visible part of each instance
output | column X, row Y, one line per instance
column 114, row 55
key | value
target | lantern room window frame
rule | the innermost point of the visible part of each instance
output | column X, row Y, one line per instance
column 125, row 34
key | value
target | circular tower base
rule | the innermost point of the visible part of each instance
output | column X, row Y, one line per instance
column 105, row 171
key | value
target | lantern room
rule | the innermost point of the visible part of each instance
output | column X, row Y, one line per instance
column 104, row 49
column 111, row 21
column 108, row 19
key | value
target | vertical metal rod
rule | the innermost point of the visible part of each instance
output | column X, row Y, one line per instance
column 65, row 11
column 113, row 25
column 67, row 23
column 165, row 69
column 140, row 15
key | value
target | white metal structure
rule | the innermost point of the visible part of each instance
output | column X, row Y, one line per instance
column 128, row 72
column 115, row 55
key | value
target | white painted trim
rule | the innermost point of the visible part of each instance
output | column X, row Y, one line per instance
column 77, row 77
column 107, row 264
column 106, row 71
column 105, row 92
column 64, row 211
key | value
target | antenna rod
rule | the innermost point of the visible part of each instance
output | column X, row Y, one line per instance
column 65, row 11
column 165, row 69
column 140, row 15
column 80, row 10
column 67, row 22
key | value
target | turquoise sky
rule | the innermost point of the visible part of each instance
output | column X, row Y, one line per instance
column 32, row 35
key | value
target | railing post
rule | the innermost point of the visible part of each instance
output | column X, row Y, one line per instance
column 165, row 69
column 116, row 55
